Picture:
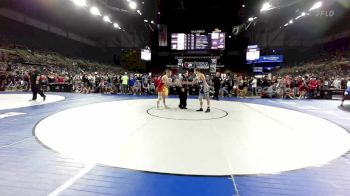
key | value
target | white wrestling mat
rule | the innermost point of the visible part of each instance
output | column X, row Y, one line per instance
column 235, row 138
column 11, row 101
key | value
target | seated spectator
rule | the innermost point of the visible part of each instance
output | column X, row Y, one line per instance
column 137, row 87
column 146, row 87
column 242, row 88
column 152, row 88
column 224, row 90
column 272, row 91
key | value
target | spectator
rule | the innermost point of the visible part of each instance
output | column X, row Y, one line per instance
column 254, row 84
column 125, row 82
column 137, row 87
column 313, row 84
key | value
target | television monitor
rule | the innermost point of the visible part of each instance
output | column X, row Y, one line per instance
column 182, row 41
column 218, row 41
column 253, row 54
column 146, row 54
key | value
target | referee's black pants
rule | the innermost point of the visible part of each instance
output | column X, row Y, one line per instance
column 37, row 89
column 216, row 93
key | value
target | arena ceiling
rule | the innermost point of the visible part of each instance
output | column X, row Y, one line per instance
column 179, row 15
column 186, row 15
column 65, row 14
column 325, row 20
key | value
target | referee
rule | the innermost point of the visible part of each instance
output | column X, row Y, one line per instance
column 217, row 85
column 35, row 84
column 182, row 90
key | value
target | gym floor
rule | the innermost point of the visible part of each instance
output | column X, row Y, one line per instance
column 74, row 144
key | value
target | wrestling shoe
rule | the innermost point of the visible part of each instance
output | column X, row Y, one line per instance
column 207, row 111
column 200, row 110
column 44, row 98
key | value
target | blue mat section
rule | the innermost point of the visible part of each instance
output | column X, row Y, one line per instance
column 28, row 168
column 113, row 181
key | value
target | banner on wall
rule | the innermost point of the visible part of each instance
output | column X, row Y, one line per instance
column 268, row 59
column 271, row 59
column 212, row 68
column 172, row 66
column 163, row 34
column 213, row 64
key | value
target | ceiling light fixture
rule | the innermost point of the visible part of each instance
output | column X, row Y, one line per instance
column 266, row 6
column 317, row 5
column 132, row 5
column 95, row 11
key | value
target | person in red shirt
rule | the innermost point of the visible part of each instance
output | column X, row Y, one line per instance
column 60, row 79
column 26, row 79
column 313, row 84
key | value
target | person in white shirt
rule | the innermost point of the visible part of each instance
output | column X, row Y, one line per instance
column 254, row 86
column 337, row 83
column 346, row 93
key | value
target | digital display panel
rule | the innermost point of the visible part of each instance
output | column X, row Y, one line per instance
column 146, row 54
column 253, row 54
column 182, row 41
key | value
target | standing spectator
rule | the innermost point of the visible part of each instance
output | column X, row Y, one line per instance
column 254, row 86
column 313, row 84
column 125, row 82
column 302, row 88
column 86, row 84
column 132, row 81
column 117, row 83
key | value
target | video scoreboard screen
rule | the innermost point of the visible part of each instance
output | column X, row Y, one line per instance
column 182, row 41
column 253, row 54
column 146, row 54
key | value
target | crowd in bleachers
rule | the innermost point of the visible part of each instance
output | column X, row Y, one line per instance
column 303, row 81
column 15, row 65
